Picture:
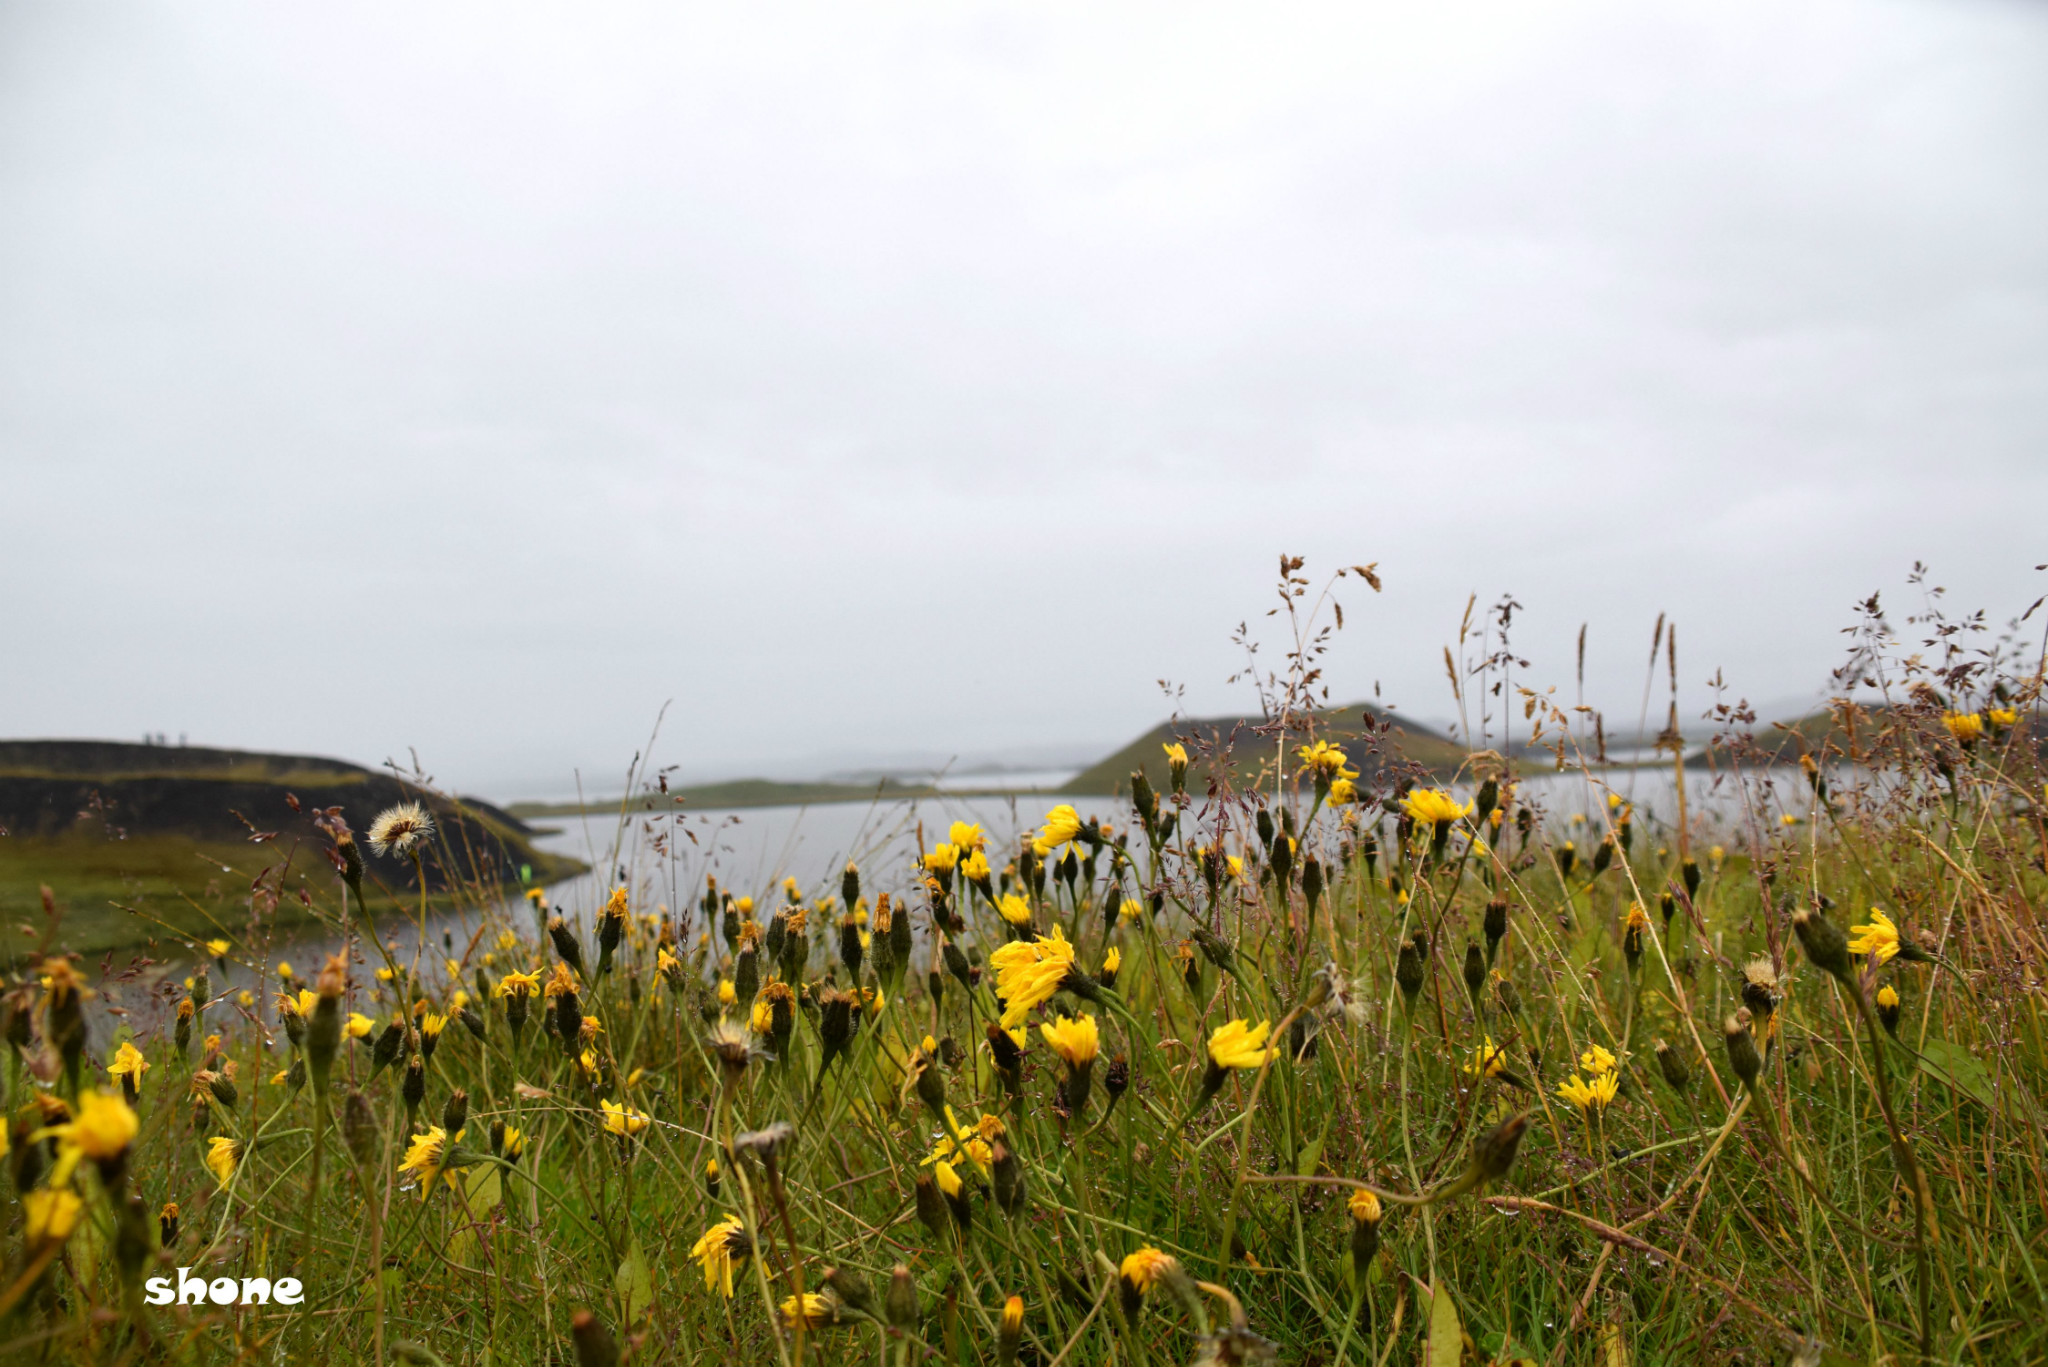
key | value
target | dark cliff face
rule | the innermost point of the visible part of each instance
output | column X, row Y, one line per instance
column 107, row 790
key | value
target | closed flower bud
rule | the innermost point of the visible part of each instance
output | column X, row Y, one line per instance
column 1742, row 1054
column 849, row 884
column 1495, row 924
column 1011, row 1332
column 1673, row 1067
column 358, row 1126
column 931, row 1087
column 594, row 1346
column 167, row 1225
column 1475, row 971
column 851, row 1288
column 455, row 1113
column 1494, row 1152
column 1008, row 1175
column 1408, row 970
column 931, row 1209
column 414, row 1090
column 1888, row 1009
column 1603, row 856
column 223, row 1089
column 1486, row 800
column 1510, row 999
column 1825, row 944
column 569, row 1021
column 295, row 1076
column 1690, row 872
column 900, row 1306
column 1364, row 1208
column 389, row 1044
column 472, row 1021
column 1312, row 882
column 564, row 940
column 850, row 950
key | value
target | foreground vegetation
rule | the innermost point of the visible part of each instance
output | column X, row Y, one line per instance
column 1335, row 1069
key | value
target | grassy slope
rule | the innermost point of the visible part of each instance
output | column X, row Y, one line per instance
column 1250, row 755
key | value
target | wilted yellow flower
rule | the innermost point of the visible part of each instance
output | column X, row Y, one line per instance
column 559, row 981
column 1062, row 826
column 1364, row 1206
column 1429, row 806
column 222, row 1157
column 1599, row 1093
column 722, row 1247
column 1014, row 909
column 1028, row 972
column 1239, row 1045
column 1880, row 937
column 622, row 1120
column 1073, row 1038
column 129, row 1063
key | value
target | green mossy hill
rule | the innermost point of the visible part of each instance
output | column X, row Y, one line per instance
column 103, row 822
column 1250, row 754
column 1888, row 734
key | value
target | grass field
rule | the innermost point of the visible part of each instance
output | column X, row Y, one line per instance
column 1330, row 1073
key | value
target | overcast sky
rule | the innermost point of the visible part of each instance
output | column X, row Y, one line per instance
column 879, row 380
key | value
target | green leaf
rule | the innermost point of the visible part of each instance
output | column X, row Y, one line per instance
column 635, row 1287
column 1446, row 1336
column 1950, row 1063
column 1309, row 1158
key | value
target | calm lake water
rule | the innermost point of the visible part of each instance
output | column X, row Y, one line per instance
column 665, row 860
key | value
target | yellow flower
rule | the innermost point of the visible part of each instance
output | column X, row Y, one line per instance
column 1014, row 909
column 722, row 1246
column 666, row 963
column 1597, row 1060
column 1325, row 759
column 763, row 1018
column 727, row 993
column 50, row 1216
column 1430, row 806
column 1239, row 1045
column 949, row 1180
column 1343, row 792
column 558, row 982
column 507, row 940
column 1073, row 1038
column 1176, row 754
column 1488, row 1060
column 1029, row 972
column 1062, row 826
column 978, row 1140
column 1600, row 1092
column 1013, row 1316
column 622, row 1120
column 1112, row 962
column 306, row 1001
column 425, row 1156
column 2003, row 716
column 284, row 971
column 975, row 868
column 1236, row 866
column 967, row 835
column 103, row 1129
column 218, row 948
column 222, row 1157
column 1966, row 727
column 359, row 1025
column 942, row 859
column 129, row 1063
column 1364, row 1206
column 1638, row 919
column 815, row 1313
column 1887, row 997
column 1880, row 937
column 537, row 896
column 1144, row 1268
column 1716, row 855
